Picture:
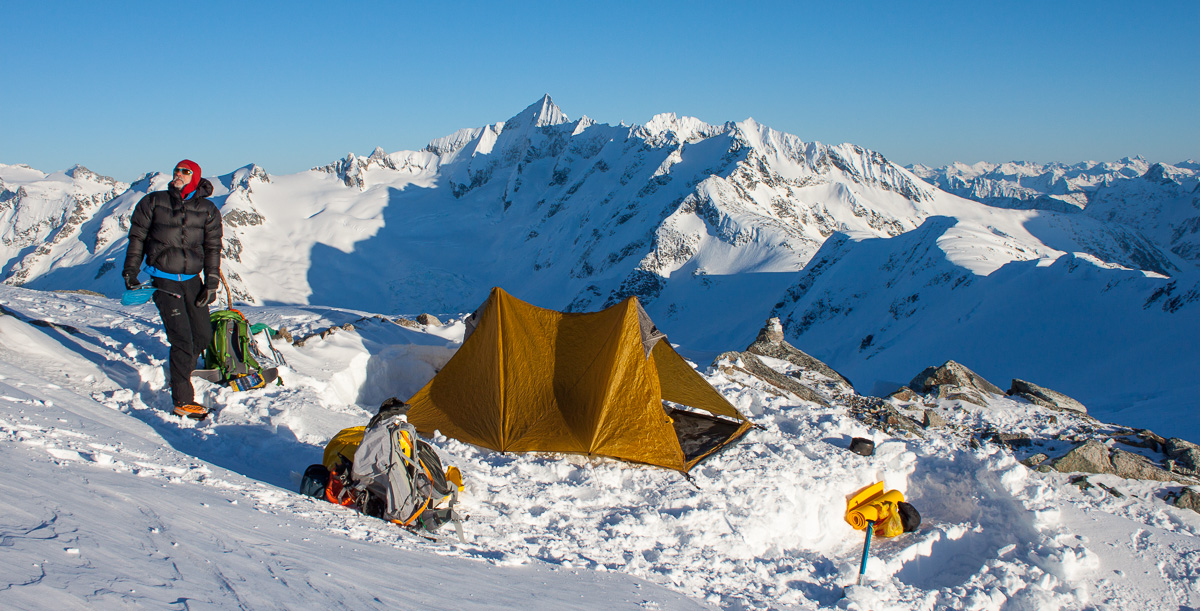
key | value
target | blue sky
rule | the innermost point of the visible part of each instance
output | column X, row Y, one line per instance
column 130, row 87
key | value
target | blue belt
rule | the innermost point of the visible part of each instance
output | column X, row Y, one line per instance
column 157, row 273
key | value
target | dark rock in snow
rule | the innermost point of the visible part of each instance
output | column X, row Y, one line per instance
column 1135, row 466
column 429, row 320
column 80, row 292
column 1138, row 441
column 933, row 419
column 1044, row 397
column 284, row 334
column 1152, row 440
column 904, row 393
column 1188, row 499
column 893, row 419
column 875, row 412
column 1185, row 453
column 1011, row 440
column 1094, row 456
column 1149, row 435
column 1034, row 460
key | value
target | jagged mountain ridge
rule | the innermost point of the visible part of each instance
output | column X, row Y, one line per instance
column 1159, row 200
column 711, row 225
column 39, row 211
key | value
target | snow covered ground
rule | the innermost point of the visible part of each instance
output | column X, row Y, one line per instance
column 109, row 502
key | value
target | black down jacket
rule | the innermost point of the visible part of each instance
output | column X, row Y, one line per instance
column 176, row 235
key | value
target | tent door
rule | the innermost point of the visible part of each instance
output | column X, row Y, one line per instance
column 699, row 433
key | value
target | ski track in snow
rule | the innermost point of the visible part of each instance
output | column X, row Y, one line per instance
column 205, row 513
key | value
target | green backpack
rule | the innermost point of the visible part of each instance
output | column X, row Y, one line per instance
column 230, row 351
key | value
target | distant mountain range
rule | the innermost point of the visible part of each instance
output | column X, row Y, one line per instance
column 1083, row 278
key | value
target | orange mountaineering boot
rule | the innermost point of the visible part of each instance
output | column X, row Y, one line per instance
column 192, row 410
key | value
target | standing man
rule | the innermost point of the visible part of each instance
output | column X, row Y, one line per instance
column 178, row 233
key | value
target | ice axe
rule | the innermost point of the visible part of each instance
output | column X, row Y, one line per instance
column 141, row 294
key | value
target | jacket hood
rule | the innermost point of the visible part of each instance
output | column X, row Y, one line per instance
column 203, row 188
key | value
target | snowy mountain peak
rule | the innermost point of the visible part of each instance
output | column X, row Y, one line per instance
column 668, row 127
column 455, row 141
column 1164, row 174
column 243, row 176
column 542, row 113
column 81, row 173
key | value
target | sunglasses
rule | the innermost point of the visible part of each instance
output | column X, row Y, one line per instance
column 184, row 171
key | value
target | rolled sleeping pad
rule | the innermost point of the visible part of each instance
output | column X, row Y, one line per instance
column 345, row 443
column 874, row 509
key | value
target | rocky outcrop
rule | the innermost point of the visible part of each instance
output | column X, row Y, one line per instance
column 1185, row 454
column 429, row 320
column 1044, row 397
column 1136, row 466
column 877, row 413
column 905, row 394
column 770, row 343
column 1093, row 456
column 1088, row 457
column 954, row 381
column 933, row 419
column 1188, row 499
column 749, row 364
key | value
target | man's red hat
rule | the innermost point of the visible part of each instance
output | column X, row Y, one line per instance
column 195, row 181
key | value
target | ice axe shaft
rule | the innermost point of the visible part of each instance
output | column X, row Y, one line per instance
column 862, row 569
column 142, row 294
column 158, row 290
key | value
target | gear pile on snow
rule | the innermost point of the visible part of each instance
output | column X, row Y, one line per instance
column 387, row 471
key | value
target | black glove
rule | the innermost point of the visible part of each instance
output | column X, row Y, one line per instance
column 206, row 298
column 131, row 281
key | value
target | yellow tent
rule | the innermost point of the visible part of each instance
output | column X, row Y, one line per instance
column 528, row 379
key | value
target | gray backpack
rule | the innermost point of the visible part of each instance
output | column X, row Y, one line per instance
column 400, row 478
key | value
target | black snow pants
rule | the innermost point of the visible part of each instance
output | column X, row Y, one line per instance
column 189, row 330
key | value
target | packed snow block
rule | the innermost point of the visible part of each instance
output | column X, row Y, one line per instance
column 1044, row 397
column 750, row 364
column 770, row 343
column 954, row 381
